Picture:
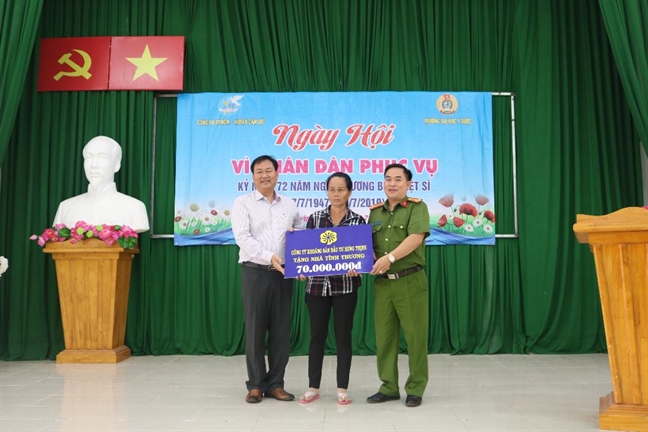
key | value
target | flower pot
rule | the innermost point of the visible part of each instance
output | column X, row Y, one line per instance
column 93, row 281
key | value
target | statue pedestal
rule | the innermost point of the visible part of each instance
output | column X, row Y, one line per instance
column 93, row 282
column 619, row 242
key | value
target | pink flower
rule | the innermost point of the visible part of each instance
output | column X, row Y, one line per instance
column 447, row 200
column 109, row 234
column 50, row 235
column 481, row 199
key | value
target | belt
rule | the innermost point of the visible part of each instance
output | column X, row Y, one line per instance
column 401, row 274
column 259, row 266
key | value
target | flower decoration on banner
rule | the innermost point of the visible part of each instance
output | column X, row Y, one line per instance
column 4, row 265
column 123, row 235
column 468, row 219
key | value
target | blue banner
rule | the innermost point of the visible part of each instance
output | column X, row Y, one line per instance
column 445, row 139
column 329, row 251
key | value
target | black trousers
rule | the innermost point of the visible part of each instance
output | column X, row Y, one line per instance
column 266, row 302
column 319, row 309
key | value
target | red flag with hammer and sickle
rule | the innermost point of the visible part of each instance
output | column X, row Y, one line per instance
column 74, row 64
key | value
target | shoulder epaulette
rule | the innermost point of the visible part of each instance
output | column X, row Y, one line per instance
column 377, row 205
column 414, row 200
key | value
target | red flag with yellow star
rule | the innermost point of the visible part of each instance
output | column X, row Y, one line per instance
column 147, row 63
column 73, row 64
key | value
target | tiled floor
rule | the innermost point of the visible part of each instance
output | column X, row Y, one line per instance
column 206, row 393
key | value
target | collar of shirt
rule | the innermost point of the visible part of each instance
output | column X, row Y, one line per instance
column 96, row 194
column 259, row 196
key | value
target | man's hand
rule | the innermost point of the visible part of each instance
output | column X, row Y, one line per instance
column 276, row 263
column 381, row 265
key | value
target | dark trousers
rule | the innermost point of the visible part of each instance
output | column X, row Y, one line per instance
column 266, row 302
column 319, row 309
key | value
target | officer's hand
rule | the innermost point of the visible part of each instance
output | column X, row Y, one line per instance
column 381, row 265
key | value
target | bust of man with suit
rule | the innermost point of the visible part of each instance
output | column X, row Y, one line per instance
column 102, row 204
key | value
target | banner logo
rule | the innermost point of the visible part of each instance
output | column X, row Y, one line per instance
column 447, row 104
column 328, row 237
column 230, row 105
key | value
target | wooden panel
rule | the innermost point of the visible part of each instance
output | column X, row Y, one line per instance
column 622, row 271
column 614, row 416
column 619, row 242
column 93, row 281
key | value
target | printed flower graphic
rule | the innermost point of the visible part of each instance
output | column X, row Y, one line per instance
column 443, row 221
column 489, row 215
column 481, row 199
column 447, row 200
column 468, row 209
column 466, row 219
column 328, row 237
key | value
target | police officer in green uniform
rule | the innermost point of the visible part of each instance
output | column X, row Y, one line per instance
column 400, row 226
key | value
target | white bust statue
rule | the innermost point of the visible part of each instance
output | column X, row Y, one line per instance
column 102, row 204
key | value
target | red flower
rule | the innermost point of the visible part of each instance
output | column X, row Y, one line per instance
column 443, row 221
column 214, row 212
column 457, row 221
column 481, row 199
column 468, row 209
column 447, row 200
column 197, row 231
column 489, row 215
column 177, row 218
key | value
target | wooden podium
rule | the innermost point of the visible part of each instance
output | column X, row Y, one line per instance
column 93, row 282
column 619, row 242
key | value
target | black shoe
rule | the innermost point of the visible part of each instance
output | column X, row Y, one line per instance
column 413, row 401
column 381, row 397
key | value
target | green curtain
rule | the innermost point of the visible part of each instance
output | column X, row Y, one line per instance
column 18, row 26
column 535, row 293
column 627, row 28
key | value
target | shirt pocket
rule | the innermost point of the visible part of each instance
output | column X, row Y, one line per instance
column 376, row 228
column 282, row 220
